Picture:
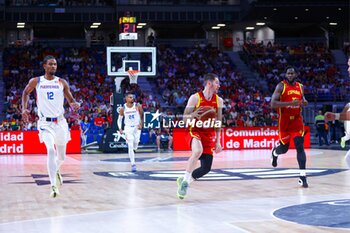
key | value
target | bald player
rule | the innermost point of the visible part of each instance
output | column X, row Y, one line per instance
column 288, row 98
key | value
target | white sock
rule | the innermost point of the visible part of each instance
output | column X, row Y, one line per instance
column 347, row 158
column 188, row 177
column 136, row 145
column 51, row 157
column 131, row 153
column 347, row 130
column 346, row 137
column 61, row 155
column 302, row 172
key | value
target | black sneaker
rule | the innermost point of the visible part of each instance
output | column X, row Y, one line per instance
column 274, row 158
column 303, row 182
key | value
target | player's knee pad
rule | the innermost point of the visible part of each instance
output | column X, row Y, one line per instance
column 130, row 140
column 299, row 143
column 136, row 145
column 206, row 169
column 49, row 142
column 301, row 156
column 347, row 158
column 51, row 159
column 282, row 148
column 51, row 151
column 61, row 152
column 206, row 162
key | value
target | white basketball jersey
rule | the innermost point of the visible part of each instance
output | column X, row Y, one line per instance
column 132, row 115
column 50, row 97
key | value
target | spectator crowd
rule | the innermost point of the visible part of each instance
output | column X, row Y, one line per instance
column 180, row 73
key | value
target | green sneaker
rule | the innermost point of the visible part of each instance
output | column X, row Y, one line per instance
column 342, row 142
column 179, row 180
column 54, row 192
column 59, row 179
column 182, row 186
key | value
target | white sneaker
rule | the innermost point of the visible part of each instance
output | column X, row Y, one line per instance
column 182, row 186
column 303, row 182
column 54, row 192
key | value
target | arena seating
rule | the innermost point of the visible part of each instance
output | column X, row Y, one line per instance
column 178, row 69
column 85, row 71
column 183, row 69
column 317, row 70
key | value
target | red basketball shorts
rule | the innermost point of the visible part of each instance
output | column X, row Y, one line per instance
column 290, row 126
column 207, row 138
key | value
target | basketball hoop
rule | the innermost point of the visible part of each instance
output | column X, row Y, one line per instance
column 133, row 74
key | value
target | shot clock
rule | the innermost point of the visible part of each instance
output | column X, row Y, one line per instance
column 127, row 28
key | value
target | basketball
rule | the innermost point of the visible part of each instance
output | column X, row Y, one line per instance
column 206, row 113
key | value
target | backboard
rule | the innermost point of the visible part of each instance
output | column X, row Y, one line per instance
column 122, row 59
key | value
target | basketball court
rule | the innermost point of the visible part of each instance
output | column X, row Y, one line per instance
column 243, row 193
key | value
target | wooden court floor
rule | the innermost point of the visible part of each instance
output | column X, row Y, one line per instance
column 243, row 193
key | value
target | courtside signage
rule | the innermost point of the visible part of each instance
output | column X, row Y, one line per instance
column 27, row 142
column 241, row 138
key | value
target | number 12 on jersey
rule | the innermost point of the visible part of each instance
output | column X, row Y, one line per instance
column 50, row 95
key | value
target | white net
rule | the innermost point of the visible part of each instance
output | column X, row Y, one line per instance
column 133, row 74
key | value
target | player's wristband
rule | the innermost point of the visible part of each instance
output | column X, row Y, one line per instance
column 337, row 116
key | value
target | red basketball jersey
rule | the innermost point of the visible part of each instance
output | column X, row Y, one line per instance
column 202, row 102
column 290, row 93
